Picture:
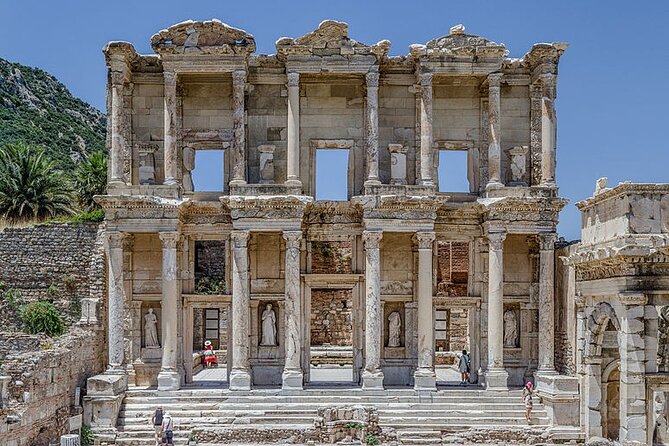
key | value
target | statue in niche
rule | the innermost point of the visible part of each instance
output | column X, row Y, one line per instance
column 394, row 325
column 510, row 329
column 268, row 337
column 189, row 165
column 151, row 330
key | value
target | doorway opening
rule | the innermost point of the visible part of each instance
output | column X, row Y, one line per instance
column 331, row 336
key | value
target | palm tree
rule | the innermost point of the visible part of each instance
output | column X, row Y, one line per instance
column 90, row 179
column 31, row 185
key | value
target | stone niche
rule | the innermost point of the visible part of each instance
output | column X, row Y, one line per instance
column 266, row 256
column 266, row 155
column 148, row 366
column 397, row 367
column 518, row 166
column 398, row 163
column 267, row 360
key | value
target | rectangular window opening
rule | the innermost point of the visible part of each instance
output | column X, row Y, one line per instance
column 453, row 171
column 208, row 174
column 331, row 174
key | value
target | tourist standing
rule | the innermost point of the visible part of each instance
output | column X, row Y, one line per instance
column 157, row 421
column 167, row 429
column 464, row 366
column 527, row 399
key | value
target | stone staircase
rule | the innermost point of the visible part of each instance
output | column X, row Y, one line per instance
column 271, row 415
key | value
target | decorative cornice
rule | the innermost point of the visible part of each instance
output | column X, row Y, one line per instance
column 623, row 189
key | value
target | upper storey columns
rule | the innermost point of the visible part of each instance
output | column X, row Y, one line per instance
column 117, row 115
column 372, row 80
column 494, row 132
column 170, row 128
column 239, row 141
column 426, row 139
column 293, row 133
column 548, row 130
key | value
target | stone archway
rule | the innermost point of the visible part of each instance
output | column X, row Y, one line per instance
column 611, row 400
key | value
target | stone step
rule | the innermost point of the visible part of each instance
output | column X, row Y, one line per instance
column 419, row 437
column 320, row 400
column 140, row 423
column 329, row 393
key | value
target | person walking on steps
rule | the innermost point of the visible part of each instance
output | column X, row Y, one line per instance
column 463, row 366
column 167, row 429
column 527, row 399
column 157, row 421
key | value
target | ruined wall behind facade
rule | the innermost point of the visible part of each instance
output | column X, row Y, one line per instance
column 50, row 262
column 331, row 317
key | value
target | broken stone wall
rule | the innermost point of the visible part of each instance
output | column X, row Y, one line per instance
column 331, row 257
column 51, row 262
column 331, row 317
column 210, row 266
column 452, row 268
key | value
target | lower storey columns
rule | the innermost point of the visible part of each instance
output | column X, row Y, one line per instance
column 292, row 373
column 546, row 305
column 168, row 378
column 496, row 376
column 372, row 375
column 240, row 377
column 424, row 376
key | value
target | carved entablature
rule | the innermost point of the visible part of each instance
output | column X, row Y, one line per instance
column 267, row 207
column 203, row 138
column 544, row 57
column 137, row 207
column 398, row 207
column 332, row 212
column 208, row 37
column 604, row 269
column 330, row 39
column 602, row 263
column 515, row 209
column 120, row 55
column 204, row 212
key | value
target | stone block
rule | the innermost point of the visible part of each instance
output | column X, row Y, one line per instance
column 107, row 384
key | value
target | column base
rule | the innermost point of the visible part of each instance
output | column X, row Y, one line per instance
column 372, row 182
column 496, row 379
column 292, row 380
column 170, row 182
column 237, row 183
column 240, row 379
column 429, row 182
column 425, row 380
column 372, row 380
column 494, row 185
column 293, row 183
column 549, row 184
column 168, row 380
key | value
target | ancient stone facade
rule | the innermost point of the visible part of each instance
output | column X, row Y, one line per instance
column 271, row 115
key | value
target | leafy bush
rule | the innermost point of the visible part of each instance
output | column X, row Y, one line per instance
column 87, row 436
column 11, row 296
column 31, row 185
column 94, row 216
column 42, row 317
column 90, row 179
column 205, row 285
column 372, row 440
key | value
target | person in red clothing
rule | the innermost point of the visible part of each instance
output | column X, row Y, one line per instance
column 209, row 356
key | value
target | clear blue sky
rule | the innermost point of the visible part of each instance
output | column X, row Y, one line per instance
column 613, row 86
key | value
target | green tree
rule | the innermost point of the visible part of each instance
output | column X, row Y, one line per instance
column 42, row 317
column 31, row 185
column 90, row 179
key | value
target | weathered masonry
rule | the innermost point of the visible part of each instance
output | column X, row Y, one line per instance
column 425, row 271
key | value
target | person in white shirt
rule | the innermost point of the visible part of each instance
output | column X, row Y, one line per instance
column 167, row 429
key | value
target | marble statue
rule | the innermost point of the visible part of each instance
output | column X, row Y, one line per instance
column 189, row 166
column 151, row 330
column 268, row 327
column 394, row 325
column 510, row 329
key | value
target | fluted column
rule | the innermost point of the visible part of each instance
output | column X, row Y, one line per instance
column 496, row 376
column 170, row 129
column 239, row 140
column 240, row 378
column 372, row 80
column 117, row 139
column 494, row 132
column 293, row 132
column 292, row 373
column 426, row 141
column 548, row 130
column 115, row 242
column 168, row 378
column 372, row 376
column 546, row 304
column 425, row 377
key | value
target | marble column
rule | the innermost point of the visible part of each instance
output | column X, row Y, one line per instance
column 548, row 130
column 426, row 141
column 372, row 80
column 494, row 132
column 546, row 304
column 293, row 132
column 292, row 373
column 117, row 139
column 114, row 250
column 424, row 376
column 168, row 378
column 372, row 375
column 496, row 376
column 240, row 377
column 170, row 130
column 239, row 140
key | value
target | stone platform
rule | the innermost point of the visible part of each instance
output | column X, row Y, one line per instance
column 450, row 415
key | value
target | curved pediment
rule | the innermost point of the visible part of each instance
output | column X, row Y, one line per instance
column 208, row 37
column 329, row 39
column 459, row 44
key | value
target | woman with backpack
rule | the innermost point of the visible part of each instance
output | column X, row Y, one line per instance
column 463, row 366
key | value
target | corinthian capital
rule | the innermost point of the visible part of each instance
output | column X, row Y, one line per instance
column 170, row 239
column 238, row 77
column 372, row 239
column 170, row 78
column 494, row 80
column 240, row 239
column 548, row 84
column 424, row 239
column 547, row 241
column 292, row 239
column 293, row 79
column 117, row 78
column 116, row 239
column 372, row 79
column 496, row 240
column 426, row 80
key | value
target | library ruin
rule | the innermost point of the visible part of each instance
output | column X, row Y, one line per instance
column 386, row 286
